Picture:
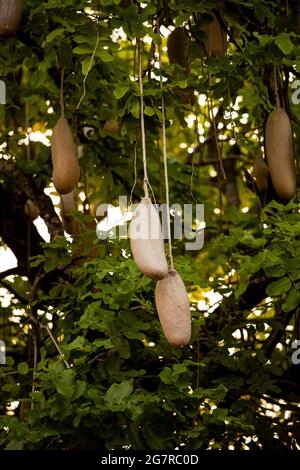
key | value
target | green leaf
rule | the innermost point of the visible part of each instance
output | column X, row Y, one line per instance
column 104, row 55
column 37, row 260
column 166, row 376
column 284, row 43
column 135, row 109
column 295, row 275
column 76, row 344
column 55, row 34
column 65, row 383
column 149, row 111
column 15, row 444
column 275, row 271
column 279, row 287
column 82, row 50
column 220, row 414
column 242, row 286
column 118, row 392
column 182, row 83
column 292, row 301
column 181, row 19
column 218, row 393
column 86, row 65
column 23, row 368
column 120, row 91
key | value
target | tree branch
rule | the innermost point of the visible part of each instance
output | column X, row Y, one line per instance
column 40, row 199
column 10, row 272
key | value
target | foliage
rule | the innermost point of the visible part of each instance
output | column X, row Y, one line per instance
column 104, row 375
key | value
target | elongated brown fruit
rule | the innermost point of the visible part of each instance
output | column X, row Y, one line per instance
column 68, row 205
column 279, row 152
column 66, row 170
column 260, row 172
column 10, row 16
column 217, row 43
column 173, row 308
column 146, row 241
column 178, row 48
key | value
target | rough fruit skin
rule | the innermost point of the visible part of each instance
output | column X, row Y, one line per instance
column 178, row 48
column 260, row 172
column 146, row 241
column 217, row 43
column 173, row 308
column 279, row 152
column 10, row 16
column 66, row 170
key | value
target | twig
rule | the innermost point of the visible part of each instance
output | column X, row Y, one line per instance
column 9, row 272
column 62, row 103
column 144, row 153
column 135, row 174
column 89, row 69
column 46, row 327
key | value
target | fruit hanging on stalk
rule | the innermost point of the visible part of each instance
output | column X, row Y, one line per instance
column 279, row 152
column 173, row 308
column 178, row 48
column 146, row 241
column 217, row 43
column 68, row 206
column 10, row 17
column 66, row 170
column 260, row 172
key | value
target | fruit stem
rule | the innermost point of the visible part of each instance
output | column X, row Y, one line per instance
column 62, row 104
column 146, row 180
column 277, row 99
column 163, row 113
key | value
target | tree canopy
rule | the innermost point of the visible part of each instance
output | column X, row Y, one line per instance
column 87, row 365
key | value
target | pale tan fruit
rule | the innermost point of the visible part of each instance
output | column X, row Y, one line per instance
column 10, row 16
column 31, row 210
column 178, row 48
column 146, row 241
column 173, row 308
column 260, row 172
column 279, row 153
column 68, row 205
column 217, row 43
column 66, row 170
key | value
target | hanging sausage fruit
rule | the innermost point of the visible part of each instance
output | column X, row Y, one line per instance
column 66, row 170
column 173, row 308
column 10, row 17
column 146, row 241
column 279, row 147
column 260, row 172
column 178, row 47
column 279, row 152
column 171, row 298
column 68, row 205
column 145, row 231
column 216, row 43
